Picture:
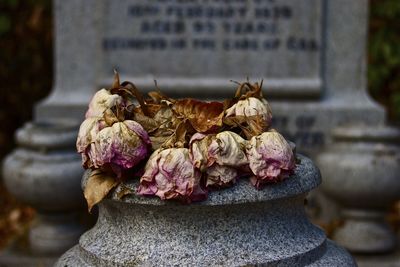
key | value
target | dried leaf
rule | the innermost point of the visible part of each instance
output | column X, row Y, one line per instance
column 124, row 191
column 116, row 82
column 149, row 124
column 98, row 186
column 157, row 97
column 158, row 141
column 246, row 90
column 205, row 117
column 251, row 125
column 110, row 118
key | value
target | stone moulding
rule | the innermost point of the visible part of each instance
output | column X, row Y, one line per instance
column 238, row 226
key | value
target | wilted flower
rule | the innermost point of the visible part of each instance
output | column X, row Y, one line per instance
column 270, row 158
column 122, row 145
column 169, row 174
column 218, row 155
column 250, row 107
column 86, row 138
column 221, row 176
column 102, row 101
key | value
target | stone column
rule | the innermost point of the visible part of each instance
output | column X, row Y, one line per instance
column 361, row 172
column 45, row 170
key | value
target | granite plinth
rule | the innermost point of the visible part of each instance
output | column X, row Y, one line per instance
column 239, row 226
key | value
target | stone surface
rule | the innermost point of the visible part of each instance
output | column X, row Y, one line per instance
column 237, row 226
column 18, row 255
column 367, row 169
column 314, row 75
column 381, row 260
column 44, row 172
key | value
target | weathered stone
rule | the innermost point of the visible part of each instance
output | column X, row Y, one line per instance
column 44, row 172
column 238, row 226
column 381, row 260
column 317, row 62
column 361, row 172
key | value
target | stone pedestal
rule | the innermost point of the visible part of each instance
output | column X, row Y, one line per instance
column 44, row 172
column 238, row 226
column 361, row 172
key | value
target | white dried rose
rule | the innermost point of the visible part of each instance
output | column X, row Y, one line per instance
column 270, row 157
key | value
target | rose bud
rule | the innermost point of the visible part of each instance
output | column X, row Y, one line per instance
column 102, row 101
column 270, row 157
column 122, row 145
column 86, row 137
column 169, row 174
column 218, row 154
column 250, row 107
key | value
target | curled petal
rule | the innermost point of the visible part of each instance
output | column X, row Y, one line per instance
column 169, row 174
column 221, row 176
column 270, row 158
column 86, row 137
column 102, row 101
column 228, row 149
column 198, row 149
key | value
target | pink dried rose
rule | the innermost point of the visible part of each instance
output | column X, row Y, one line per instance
column 219, row 156
column 270, row 157
column 122, row 145
column 102, row 101
column 169, row 174
column 251, row 106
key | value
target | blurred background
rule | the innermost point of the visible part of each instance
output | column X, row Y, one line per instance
column 26, row 77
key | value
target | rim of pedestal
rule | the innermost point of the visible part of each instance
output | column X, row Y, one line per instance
column 353, row 133
column 51, row 135
column 305, row 178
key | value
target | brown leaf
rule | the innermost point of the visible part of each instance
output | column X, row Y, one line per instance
column 250, row 125
column 149, row 124
column 98, row 186
column 180, row 137
column 158, row 141
column 158, row 97
column 246, row 90
column 124, row 191
column 116, row 82
column 109, row 117
column 203, row 116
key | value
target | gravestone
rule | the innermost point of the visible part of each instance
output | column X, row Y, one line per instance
column 311, row 55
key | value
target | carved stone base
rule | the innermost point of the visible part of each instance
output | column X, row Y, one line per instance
column 238, row 226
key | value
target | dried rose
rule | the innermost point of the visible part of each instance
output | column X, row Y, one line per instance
column 250, row 107
column 218, row 155
column 226, row 148
column 270, row 157
column 102, row 101
column 122, row 145
column 86, row 138
column 221, row 176
column 169, row 174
